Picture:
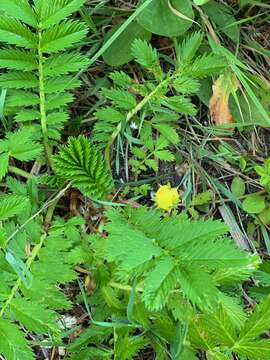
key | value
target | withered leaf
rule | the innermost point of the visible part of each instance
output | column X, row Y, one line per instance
column 220, row 113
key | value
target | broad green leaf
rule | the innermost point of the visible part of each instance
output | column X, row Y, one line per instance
column 264, row 172
column 238, row 186
column 160, row 17
column 120, row 52
column 264, row 216
column 254, row 203
column 243, row 108
column 248, row 111
column 222, row 17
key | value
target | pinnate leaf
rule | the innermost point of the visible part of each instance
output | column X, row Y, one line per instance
column 13, row 344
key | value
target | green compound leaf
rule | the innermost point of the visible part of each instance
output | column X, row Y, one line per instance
column 82, row 164
column 11, row 205
column 13, row 344
column 36, row 317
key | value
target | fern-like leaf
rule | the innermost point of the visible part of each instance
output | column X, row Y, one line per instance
column 145, row 246
column 18, row 80
column 13, row 344
column 55, row 84
column 62, row 36
column 35, row 316
column 20, row 10
column 144, row 54
column 257, row 323
column 188, row 48
column 254, row 350
column 193, row 280
column 51, row 12
column 81, row 163
column 18, row 98
column 62, row 64
column 120, row 98
column 17, row 59
column 14, row 32
column 206, row 65
column 21, row 145
column 132, row 254
column 32, row 67
column 3, row 164
column 214, row 253
column 11, row 205
column 159, row 282
column 221, row 328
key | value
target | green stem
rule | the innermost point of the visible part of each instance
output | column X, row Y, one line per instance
column 116, row 285
column 49, row 215
column 20, row 172
column 44, row 207
column 133, row 112
column 43, row 116
column 33, row 256
column 29, row 262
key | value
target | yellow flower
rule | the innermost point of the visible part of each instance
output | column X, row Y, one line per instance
column 166, row 197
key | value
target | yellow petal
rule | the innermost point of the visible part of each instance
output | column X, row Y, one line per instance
column 166, row 197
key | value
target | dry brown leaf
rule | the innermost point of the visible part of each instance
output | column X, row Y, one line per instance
column 220, row 113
